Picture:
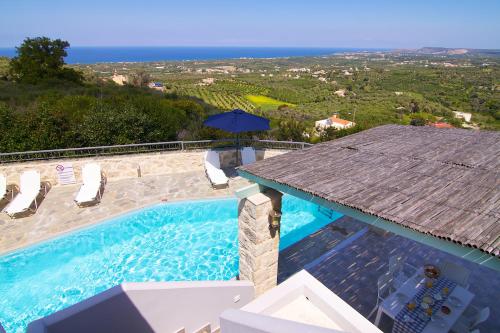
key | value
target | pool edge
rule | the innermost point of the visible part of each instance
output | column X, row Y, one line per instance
column 106, row 219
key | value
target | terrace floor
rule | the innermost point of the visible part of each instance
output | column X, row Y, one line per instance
column 58, row 213
column 348, row 256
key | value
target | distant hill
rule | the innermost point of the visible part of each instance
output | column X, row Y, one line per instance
column 442, row 50
column 428, row 50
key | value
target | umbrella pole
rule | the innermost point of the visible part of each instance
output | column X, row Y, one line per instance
column 237, row 149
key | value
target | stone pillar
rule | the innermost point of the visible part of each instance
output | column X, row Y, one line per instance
column 258, row 242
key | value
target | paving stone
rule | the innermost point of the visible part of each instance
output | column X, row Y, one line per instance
column 58, row 213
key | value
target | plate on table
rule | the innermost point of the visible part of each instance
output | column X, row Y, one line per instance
column 408, row 319
column 431, row 271
column 428, row 299
column 446, row 310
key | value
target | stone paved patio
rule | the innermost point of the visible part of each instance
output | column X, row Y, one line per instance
column 361, row 256
column 58, row 213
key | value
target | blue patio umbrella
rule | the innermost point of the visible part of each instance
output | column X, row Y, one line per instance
column 237, row 121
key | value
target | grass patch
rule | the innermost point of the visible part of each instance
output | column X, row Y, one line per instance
column 266, row 103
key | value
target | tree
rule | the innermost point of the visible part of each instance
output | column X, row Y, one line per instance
column 40, row 59
column 110, row 123
column 139, row 79
column 418, row 121
column 4, row 67
column 455, row 122
column 328, row 134
column 413, row 106
column 7, row 128
column 290, row 130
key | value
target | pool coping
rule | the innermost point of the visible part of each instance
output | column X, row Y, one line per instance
column 122, row 214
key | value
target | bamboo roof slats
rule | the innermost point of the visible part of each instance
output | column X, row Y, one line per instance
column 444, row 182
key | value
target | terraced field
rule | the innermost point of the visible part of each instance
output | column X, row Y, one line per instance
column 229, row 99
column 221, row 100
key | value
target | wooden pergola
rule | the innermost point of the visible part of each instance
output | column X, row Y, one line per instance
column 440, row 187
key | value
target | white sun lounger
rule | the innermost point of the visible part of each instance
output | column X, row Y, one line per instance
column 29, row 188
column 90, row 190
column 3, row 187
column 214, row 173
column 248, row 155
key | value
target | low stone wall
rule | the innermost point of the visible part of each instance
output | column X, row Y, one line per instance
column 127, row 166
column 229, row 157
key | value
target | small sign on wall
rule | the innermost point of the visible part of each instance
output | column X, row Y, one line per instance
column 65, row 173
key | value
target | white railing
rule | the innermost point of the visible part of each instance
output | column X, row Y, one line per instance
column 145, row 148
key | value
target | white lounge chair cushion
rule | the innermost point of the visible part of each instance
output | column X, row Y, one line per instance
column 3, row 186
column 217, row 176
column 91, row 173
column 28, row 191
column 248, row 155
column 92, row 179
column 30, row 182
column 212, row 167
column 212, row 158
column 87, row 192
column 20, row 203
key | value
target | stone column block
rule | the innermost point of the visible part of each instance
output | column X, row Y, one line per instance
column 258, row 242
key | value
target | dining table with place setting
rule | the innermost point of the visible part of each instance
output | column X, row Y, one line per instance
column 426, row 303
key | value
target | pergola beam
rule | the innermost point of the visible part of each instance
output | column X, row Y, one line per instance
column 474, row 255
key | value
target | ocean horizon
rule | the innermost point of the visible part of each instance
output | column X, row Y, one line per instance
column 103, row 54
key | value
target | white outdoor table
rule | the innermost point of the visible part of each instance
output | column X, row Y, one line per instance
column 392, row 305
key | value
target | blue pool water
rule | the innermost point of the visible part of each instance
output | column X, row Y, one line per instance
column 195, row 240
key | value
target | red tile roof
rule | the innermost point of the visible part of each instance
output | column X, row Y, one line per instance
column 334, row 119
column 441, row 125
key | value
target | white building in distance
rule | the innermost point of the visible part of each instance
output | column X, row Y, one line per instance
column 334, row 122
column 464, row 115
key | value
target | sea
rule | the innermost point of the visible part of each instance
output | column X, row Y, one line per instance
column 91, row 55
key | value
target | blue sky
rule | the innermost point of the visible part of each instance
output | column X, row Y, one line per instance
column 322, row 23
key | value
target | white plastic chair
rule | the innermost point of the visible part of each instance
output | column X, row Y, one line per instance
column 90, row 190
column 481, row 317
column 456, row 273
column 214, row 173
column 400, row 270
column 248, row 155
column 29, row 188
column 471, row 318
column 384, row 289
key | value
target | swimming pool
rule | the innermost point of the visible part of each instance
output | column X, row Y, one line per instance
column 194, row 240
